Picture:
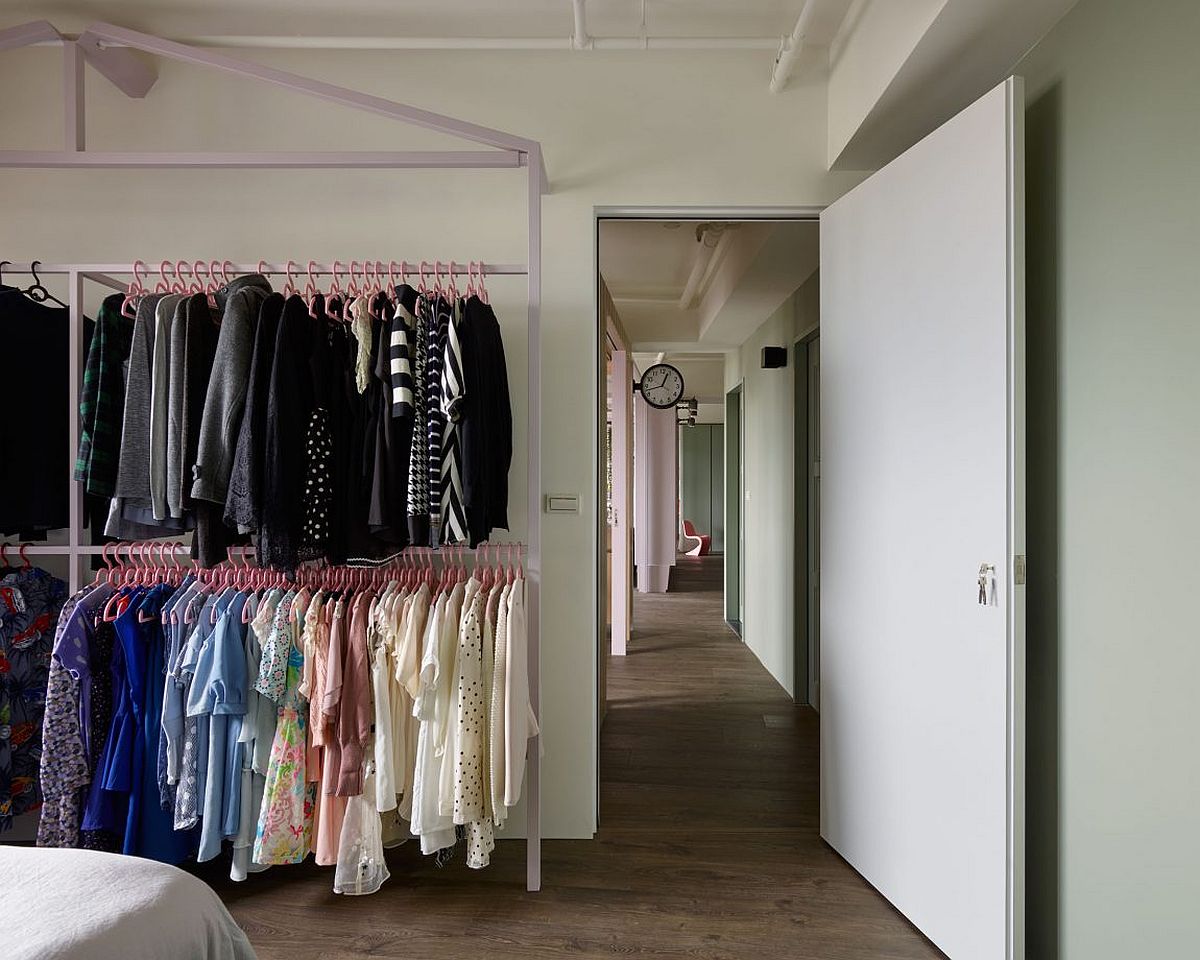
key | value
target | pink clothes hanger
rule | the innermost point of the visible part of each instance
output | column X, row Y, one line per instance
column 212, row 288
column 437, row 279
column 311, row 290
column 472, row 290
column 186, row 285
column 163, row 285
column 181, row 285
column 371, row 288
column 226, row 266
column 136, row 289
column 101, row 573
column 335, row 286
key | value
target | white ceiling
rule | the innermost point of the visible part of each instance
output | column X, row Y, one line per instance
column 646, row 265
column 439, row 18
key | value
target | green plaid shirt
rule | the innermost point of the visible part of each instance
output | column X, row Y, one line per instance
column 102, row 402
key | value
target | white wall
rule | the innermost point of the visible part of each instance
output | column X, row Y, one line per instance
column 1114, row 460
column 618, row 129
column 879, row 36
column 768, row 411
column 710, row 413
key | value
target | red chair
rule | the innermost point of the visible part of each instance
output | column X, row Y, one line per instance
column 702, row 540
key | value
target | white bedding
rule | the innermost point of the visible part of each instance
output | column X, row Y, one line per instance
column 84, row 905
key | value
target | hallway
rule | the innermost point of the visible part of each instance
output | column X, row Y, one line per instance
column 709, row 790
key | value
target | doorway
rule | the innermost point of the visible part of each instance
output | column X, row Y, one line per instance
column 925, row 463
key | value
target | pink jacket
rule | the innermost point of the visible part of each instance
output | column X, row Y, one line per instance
column 354, row 716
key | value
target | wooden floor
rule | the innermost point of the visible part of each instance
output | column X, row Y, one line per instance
column 708, row 845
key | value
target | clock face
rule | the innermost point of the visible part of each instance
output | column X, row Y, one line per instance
column 662, row 386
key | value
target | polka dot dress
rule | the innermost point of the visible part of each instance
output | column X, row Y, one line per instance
column 471, row 738
column 318, row 486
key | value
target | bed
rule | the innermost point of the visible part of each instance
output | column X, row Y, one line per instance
column 85, row 905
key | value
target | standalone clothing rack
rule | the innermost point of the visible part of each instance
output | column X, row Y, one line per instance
column 108, row 49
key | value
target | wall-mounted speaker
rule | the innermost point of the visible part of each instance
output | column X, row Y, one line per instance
column 774, row 357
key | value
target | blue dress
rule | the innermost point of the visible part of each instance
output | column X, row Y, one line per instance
column 108, row 800
column 151, row 830
column 218, row 693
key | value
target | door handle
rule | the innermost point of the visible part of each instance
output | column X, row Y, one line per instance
column 987, row 584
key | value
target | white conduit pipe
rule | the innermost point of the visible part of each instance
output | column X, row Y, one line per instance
column 252, row 42
column 580, row 39
column 789, row 50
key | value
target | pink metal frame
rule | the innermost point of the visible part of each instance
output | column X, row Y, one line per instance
column 111, row 51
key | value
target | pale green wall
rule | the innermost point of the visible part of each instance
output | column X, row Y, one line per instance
column 769, row 404
column 1113, row 133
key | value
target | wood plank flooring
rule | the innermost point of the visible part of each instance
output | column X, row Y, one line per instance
column 708, row 845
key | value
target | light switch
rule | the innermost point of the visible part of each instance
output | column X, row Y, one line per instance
column 562, row 503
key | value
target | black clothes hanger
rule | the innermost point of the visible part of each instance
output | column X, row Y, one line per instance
column 36, row 291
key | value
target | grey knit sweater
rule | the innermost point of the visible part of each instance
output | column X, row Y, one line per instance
column 226, row 397
column 133, row 471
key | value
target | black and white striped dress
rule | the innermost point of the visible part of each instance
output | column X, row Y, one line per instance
column 453, row 511
column 439, row 320
column 400, row 362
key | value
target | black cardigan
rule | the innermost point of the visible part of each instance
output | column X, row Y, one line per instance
column 486, row 426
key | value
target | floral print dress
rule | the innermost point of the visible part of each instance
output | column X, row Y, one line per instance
column 30, row 601
column 285, row 823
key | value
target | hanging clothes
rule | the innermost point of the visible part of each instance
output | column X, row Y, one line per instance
column 102, row 399
column 450, row 484
column 329, row 721
column 243, row 503
column 485, row 424
column 284, row 833
column 224, row 403
column 33, row 428
column 320, row 429
column 30, row 604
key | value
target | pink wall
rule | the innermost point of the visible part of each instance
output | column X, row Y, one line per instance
column 654, row 492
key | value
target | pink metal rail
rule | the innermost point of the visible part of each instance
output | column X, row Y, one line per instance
column 112, row 51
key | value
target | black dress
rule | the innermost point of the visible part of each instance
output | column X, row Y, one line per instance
column 290, row 403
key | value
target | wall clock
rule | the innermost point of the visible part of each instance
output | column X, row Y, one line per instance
column 661, row 386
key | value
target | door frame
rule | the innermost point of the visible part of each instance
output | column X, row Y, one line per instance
column 633, row 212
column 734, row 566
column 805, row 667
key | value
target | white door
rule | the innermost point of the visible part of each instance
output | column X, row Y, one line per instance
column 922, row 463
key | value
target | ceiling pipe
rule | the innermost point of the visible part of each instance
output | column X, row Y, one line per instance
column 789, row 48
column 262, row 42
column 701, row 263
column 580, row 39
